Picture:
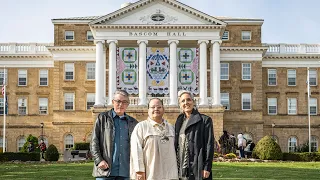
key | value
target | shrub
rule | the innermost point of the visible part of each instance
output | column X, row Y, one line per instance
column 267, row 149
column 301, row 156
column 35, row 143
column 52, row 153
column 1, row 150
column 230, row 156
column 20, row 156
column 216, row 155
column 82, row 146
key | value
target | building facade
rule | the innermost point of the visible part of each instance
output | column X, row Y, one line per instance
column 153, row 48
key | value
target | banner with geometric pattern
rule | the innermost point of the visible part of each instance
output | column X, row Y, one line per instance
column 158, row 70
column 127, row 69
column 188, row 69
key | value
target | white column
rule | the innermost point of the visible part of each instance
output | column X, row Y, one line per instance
column 215, row 70
column 112, row 69
column 99, row 73
column 142, row 72
column 173, row 73
column 203, row 72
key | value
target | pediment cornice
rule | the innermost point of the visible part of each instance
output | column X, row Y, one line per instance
column 292, row 56
column 102, row 26
column 26, row 56
column 243, row 48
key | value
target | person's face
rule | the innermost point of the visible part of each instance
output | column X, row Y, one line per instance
column 186, row 103
column 120, row 104
column 155, row 110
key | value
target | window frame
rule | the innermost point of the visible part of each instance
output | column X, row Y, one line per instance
column 87, row 98
column 47, row 77
column 88, row 35
column 244, row 75
column 65, row 98
column 225, row 36
column 3, row 75
column 24, row 100
column 66, row 35
column 19, row 76
column 47, row 106
column 66, row 142
column 242, row 101
column 295, row 77
column 290, row 142
column 315, row 77
column 224, row 75
column 314, row 105
column 314, row 140
column 244, row 35
column 94, row 71
column 69, row 70
column 226, row 99
column 21, row 138
column 288, row 106
column 275, row 104
column 275, row 78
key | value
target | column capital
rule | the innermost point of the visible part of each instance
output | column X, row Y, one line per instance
column 142, row 41
column 173, row 41
column 216, row 41
column 111, row 41
column 97, row 41
column 203, row 41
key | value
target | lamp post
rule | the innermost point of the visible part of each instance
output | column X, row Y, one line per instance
column 273, row 125
column 41, row 125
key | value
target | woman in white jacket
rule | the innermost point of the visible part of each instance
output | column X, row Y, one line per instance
column 242, row 143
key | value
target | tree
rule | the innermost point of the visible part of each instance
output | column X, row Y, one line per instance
column 34, row 140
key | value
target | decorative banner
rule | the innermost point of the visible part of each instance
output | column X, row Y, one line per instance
column 158, row 70
column 188, row 69
column 127, row 69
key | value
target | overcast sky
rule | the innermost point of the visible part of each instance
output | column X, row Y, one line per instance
column 285, row 21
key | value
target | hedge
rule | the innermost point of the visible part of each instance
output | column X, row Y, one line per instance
column 82, row 146
column 315, row 156
column 19, row 156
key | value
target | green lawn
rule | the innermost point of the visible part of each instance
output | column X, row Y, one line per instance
column 292, row 171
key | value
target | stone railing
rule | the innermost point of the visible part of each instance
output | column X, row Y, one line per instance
column 293, row 48
column 166, row 100
column 24, row 48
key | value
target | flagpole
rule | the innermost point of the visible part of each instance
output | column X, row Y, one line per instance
column 4, row 110
column 309, row 133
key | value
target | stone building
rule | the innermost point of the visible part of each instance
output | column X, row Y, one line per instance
column 153, row 48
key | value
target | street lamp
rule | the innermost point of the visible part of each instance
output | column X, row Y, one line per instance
column 41, row 125
column 273, row 125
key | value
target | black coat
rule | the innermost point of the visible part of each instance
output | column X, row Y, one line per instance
column 199, row 134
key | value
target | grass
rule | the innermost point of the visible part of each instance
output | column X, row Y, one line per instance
column 221, row 170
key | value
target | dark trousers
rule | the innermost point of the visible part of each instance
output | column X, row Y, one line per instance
column 241, row 149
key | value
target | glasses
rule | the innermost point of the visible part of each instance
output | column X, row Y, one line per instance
column 155, row 107
column 121, row 102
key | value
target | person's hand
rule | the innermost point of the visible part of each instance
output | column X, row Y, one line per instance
column 140, row 175
column 103, row 165
column 205, row 174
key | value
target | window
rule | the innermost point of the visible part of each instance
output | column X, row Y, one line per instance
column 43, row 105
column 292, row 106
column 43, row 77
column 1, row 142
column 224, row 71
column 2, row 105
column 20, row 143
column 313, row 106
column 272, row 77
column 89, row 36
column 291, row 77
column 22, row 77
column 314, row 144
column 225, row 35
column 246, row 35
column 69, row 35
column 69, row 71
column 69, row 101
column 91, row 71
column 22, row 106
column 225, row 100
column 3, row 74
column 272, row 106
column 90, row 100
column 246, row 71
column 68, row 142
column 313, row 77
column 246, row 101
column 292, row 144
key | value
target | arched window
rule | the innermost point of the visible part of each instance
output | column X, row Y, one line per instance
column 20, row 142
column 314, row 144
column 68, row 142
column 292, row 144
column 88, row 140
column 1, row 143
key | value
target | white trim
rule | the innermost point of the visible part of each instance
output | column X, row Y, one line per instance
column 47, row 105
column 273, row 69
column 242, row 35
column 291, row 63
column 73, row 101
column 26, row 73
column 296, row 105
column 242, row 75
column 295, row 81
column 221, row 72
column 242, row 96
column 46, row 77
column 65, row 35
column 65, row 71
column 316, row 105
column 276, row 105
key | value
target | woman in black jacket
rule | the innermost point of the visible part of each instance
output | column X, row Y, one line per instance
column 193, row 140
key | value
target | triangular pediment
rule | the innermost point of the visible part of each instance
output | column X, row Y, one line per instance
column 148, row 12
